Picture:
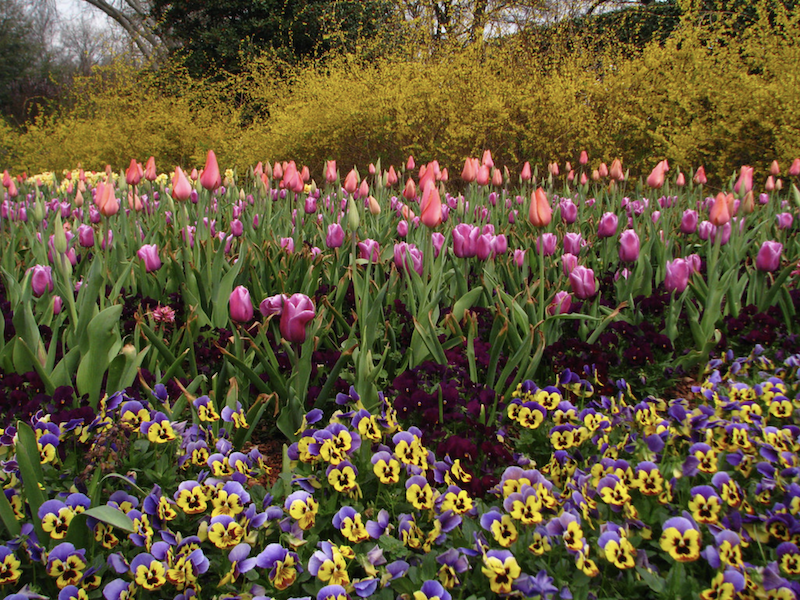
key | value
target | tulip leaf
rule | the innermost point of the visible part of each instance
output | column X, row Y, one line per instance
column 465, row 302
column 219, row 315
column 768, row 299
column 111, row 516
column 30, row 470
column 102, row 337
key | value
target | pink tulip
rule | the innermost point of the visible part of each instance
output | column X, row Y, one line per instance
column 602, row 171
column 469, row 173
column 369, row 250
column 677, row 275
column 298, row 311
column 181, row 188
column 700, row 176
column 410, row 164
column 133, row 175
column 745, row 181
column 41, row 280
column 784, row 220
column 335, row 237
column 629, row 246
column 484, row 246
column 689, row 221
column 720, row 212
column 546, row 244
column 431, row 206
column 408, row 256
column 584, row 158
column 391, row 176
column 330, row 171
column 499, row 245
column 287, row 244
column 794, row 170
column 437, row 239
column 769, row 256
column 487, row 159
column 211, row 179
column 240, row 305
column 608, row 225
column 58, row 304
column 402, row 228
column 616, row 170
column 573, row 243
column 568, row 263
column 150, row 173
column 149, row 255
column 560, row 304
column 483, row 176
column 497, row 178
column 519, row 257
column 656, row 178
column 272, row 305
column 775, row 169
column 526, row 172
column 582, row 281
column 681, row 180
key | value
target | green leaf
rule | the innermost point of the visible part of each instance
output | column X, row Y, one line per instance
column 111, row 516
column 30, row 469
column 465, row 302
column 8, row 518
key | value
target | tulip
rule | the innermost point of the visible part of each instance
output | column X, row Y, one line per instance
column 608, row 225
column 410, row 164
column 695, row 262
column 305, row 174
column 720, row 213
column 553, row 169
column 602, row 171
column 287, row 244
column 540, row 213
column 133, row 175
column 770, row 184
column 568, row 263
column 526, row 172
column 573, row 243
column 677, row 275
column 584, row 158
column 181, row 188
column 391, row 176
column 769, row 256
column 745, row 181
column 519, row 257
column 465, row 238
column 497, row 178
column 560, row 304
column 748, row 204
column 546, row 244
column 335, row 237
column 85, row 235
column 106, row 199
column 469, row 173
column 369, row 250
column 402, row 228
column 629, row 246
column 487, row 159
column 363, row 189
column 410, row 191
column 437, row 239
column 582, row 281
column 784, row 220
column 58, row 304
column 6, row 179
column 700, row 176
column 483, row 175
column 569, row 211
column 689, row 221
column 41, row 279
column 774, row 168
column 210, row 179
column 272, row 305
column 408, row 255
column 794, row 170
column 149, row 255
column 656, row 178
column 681, row 180
column 298, row 311
column 330, row 171
column 616, row 170
column 431, row 206
column 484, row 246
column 237, row 228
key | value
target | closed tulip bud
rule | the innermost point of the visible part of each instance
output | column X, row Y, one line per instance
column 571, row 176
column 573, row 243
column 794, row 170
column 745, row 182
column 582, row 281
column 363, row 189
column 310, row 205
column 695, row 262
column 700, row 176
column 410, row 164
column 211, row 178
column 748, row 204
column 410, row 191
column 540, row 214
column 720, row 212
column 784, row 220
column 546, row 244
column 353, row 218
column 445, row 176
column 770, row 184
column 335, row 237
column 704, row 230
column 553, row 169
column 608, row 225
column 603, row 170
column 60, row 236
column 568, row 263
column 431, row 206
column 769, row 256
column 484, row 246
column 85, row 236
column 497, row 178
column 237, row 228
column 148, row 253
column 519, row 257
column 437, row 239
column 133, row 175
column 107, row 200
column 58, row 304
column 351, row 182
column 774, row 168
column 402, row 228
column 391, row 176
column 240, row 305
column 561, row 304
column 584, row 158
column 483, row 175
column 469, row 173
column 487, row 158
column 526, row 172
column 656, row 178
column 676, row 278
column 629, row 246
column 689, row 221
column 181, row 188
column 330, row 171
column 584, row 180
column 287, row 244
column 500, row 244
column 41, row 280
column 305, row 174
column 616, row 170
column 374, row 207
column 569, row 211
column 680, row 181
column 596, row 175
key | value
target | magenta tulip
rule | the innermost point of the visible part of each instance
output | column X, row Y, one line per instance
column 608, row 225
column 272, row 305
column 629, row 246
column 465, row 239
column 369, row 250
column 689, row 221
column 149, row 255
column 437, row 239
column 519, row 257
column 677, row 275
column 298, row 311
column 560, row 304
column 58, row 304
column 785, row 220
column 568, row 263
column 546, row 244
column 569, row 211
column 85, row 235
column 41, row 280
column 335, row 237
column 408, row 256
column 769, row 256
column 287, row 244
column 240, row 305
column 573, row 243
column 484, row 246
column 237, row 228
column 582, row 281
column 500, row 244
column 402, row 228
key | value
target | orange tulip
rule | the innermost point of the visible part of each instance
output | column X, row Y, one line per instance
column 483, row 175
column 468, row 173
column 720, row 213
column 410, row 191
column 391, row 176
column 497, row 178
column 106, row 199
column 351, row 182
column 431, row 206
column 150, row 169
column 616, row 170
column 540, row 213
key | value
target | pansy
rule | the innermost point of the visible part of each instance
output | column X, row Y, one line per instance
column 727, row 550
column 540, row 542
column 119, row 589
column 158, row 429
column 705, row 504
column 220, row 465
column 55, row 516
column 66, row 564
column 617, row 548
column 367, row 425
column 502, row 570
column 501, row 526
column 613, row 491
column 283, row 565
column 409, row 450
column 724, row 586
column 329, row 565
column 342, row 476
column 453, row 563
column 335, row 443
column 302, row 507
column 386, row 467
column 235, row 415
column 148, row 572
column 524, row 506
column 680, row 538
column 379, row 526
column 333, row 592
column 48, row 448
column 191, row 497
column 72, row 592
column 143, row 529
column 419, row 493
column 132, row 414
column 241, row 562
column 648, row 479
column 788, row 558
column 349, row 522
column 9, row 566
column 224, row 532
column 205, row 409
column 457, row 500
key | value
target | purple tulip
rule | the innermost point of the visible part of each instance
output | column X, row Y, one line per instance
column 769, row 256
column 568, row 263
column 465, row 240
column 629, row 246
column 272, row 305
column 677, row 276
column 402, row 228
column 546, row 244
column 608, row 225
column 785, row 220
column 287, row 244
column 438, row 241
column 695, row 262
column 335, row 237
column 41, row 280
column 582, row 281
column 369, row 250
column 237, row 228
column 485, row 245
column 573, row 243
column 689, row 221
column 240, row 305
column 149, row 255
column 704, row 230
column 310, row 205
column 85, row 235
column 298, row 310
column 560, row 304
column 500, row 244
column 519, row 257
column 406, row 255
column 58, row 304
column 569, row 211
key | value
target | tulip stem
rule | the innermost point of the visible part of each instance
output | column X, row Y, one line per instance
column 541, row 280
